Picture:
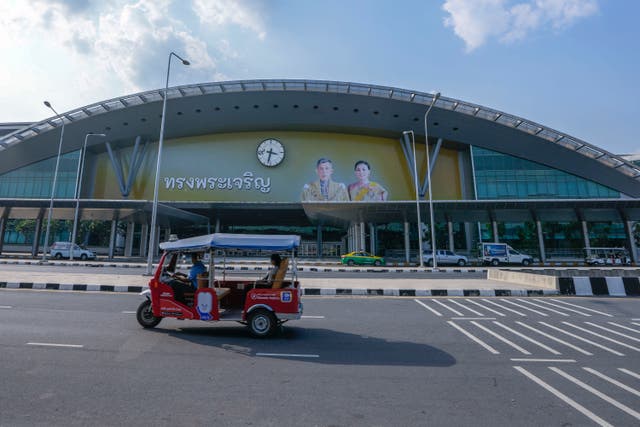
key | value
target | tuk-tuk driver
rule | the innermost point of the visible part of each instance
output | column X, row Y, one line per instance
column 185, row 282
column 197, row 268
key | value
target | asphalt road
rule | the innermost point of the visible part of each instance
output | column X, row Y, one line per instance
column 81, row 359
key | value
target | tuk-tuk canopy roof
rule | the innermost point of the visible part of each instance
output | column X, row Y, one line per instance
column 270, row 242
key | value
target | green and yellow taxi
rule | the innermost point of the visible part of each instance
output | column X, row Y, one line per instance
column 361, row 258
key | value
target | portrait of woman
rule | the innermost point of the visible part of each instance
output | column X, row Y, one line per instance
column 363, row 189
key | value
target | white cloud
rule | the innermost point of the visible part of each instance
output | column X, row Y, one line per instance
column 477, row 21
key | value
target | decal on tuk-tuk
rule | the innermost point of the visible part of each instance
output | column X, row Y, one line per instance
column 285, row 296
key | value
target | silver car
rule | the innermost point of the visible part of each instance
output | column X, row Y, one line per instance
column 444, row 257
column 61, row 250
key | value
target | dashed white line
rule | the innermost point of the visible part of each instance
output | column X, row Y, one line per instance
column 288, row 355
column 526, row 308
column 602, row 336
column 5, row 306
column 551, row 337
column 613, row 381
column 448, row 308
column 613, row 332
column 628, row 372
column 515, row 359
column 427, row 307
column 624, row 327
column 543, row 307
column 504, row 308
column 313, row 317
column 578, row 407
column 501, row 338
column 578, row 337
column 474, row 338
column 564, row 308
column 477, row 313
column 486, row 308
column 601, row 395
column 473, row 318
column 49, row 344
column 531, row 340
column 128, row 312
column 581, row 307
column 634, row 323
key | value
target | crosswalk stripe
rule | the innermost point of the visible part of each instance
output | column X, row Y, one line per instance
column 522, row 306
column 578, row 407
column 624, row 327
column 601, row 395
column 551, row 337
column 486, row 308
column 501, row 338
column 504, row 308
column 581, row 307
column 564, row 308
column 543, row 307
column 578, row 337
column 595, row 334
column 448, row 308
column 628, row 372
column 524, row 337
column 613, row 332
column 634, row 323
column 427, row 307
column 613, row 381
column 477, row 313
column 474, row 338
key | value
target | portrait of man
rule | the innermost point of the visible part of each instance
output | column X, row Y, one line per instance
column 324, row 189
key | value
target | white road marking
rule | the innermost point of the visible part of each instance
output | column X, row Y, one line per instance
column 6, row 306
column 501, row 338
column 543, row 307
column 601, row 395
column 581, row 307
column 578, row 407
column 551, row 337
column 515, row 359
column 313, row 317
column 427, row 307
column 628, row 372
column 448, row 308
column 624, row 327
column 595, row 344
column 287, row 355
column 486, row 308
column 474, row 338
column 564, row 308
column 634, row 323
column 473, row 318
column 613, row 381
column 613, row 332
column 46, row 344
column 524, row 337
column 504, row 308
column 522, row 306
column 128, row 312
column 595, row 334
column 477, row 313
column 635, row 319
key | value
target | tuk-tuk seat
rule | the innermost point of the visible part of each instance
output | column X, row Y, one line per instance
column 279, row 277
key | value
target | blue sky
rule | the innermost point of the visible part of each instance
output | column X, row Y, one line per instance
column 572, row 65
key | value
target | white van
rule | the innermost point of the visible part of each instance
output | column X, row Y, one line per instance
column 61, row 250
column 501, row 253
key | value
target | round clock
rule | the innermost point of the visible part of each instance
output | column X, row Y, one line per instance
column 270, row 152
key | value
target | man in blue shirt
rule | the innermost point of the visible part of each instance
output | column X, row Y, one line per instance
column 182, row 283
column 197, row 268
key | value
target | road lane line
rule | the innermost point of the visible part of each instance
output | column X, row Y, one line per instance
column 578, row 337
column 635, row 319
column 47, row 344
column 543, row 307
column 634, row 323
column 516, row 359
column 504, row 308
column 486, row 308
column 473, row 318
column 624, row 327
column 474, row 338
column 602, row 336
column 581, row 307
column 628, row 372
column 566, row 399
column 427, row 307
column 526, row 308
column 287, row 355
column 613, row 332
column 128, row 312
column 564, row 308
column 448, row 308
column 531, row 340
column 613, row 381
column 312, row 317
column 477, row 313
column 6, row 306
column 551, row 337
column 501, row 338
column 601, row 395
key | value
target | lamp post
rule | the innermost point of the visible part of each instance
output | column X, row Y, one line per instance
column 79, row 189
column 415, row 176
column 154, row 212
column 426, row 139
column 55, row 181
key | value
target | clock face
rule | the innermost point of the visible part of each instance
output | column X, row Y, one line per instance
column 270, row 152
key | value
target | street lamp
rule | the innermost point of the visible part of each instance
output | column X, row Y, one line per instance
column 426, row 139
column 79, row 189
column 154, row 212
column 55, row 180
column 415, row 175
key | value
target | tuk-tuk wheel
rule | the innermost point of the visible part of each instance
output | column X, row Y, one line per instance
column 262, row 323
column 145, row 315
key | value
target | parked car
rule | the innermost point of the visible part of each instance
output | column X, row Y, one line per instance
column 61, row 250
column 501, row 253
column 361, row 258
column 444, row 257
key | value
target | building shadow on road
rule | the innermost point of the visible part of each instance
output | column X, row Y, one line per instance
column 332, row 347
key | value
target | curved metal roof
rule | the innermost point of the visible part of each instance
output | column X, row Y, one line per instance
column 391, row 110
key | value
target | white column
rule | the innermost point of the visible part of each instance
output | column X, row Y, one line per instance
column 496, row 238
column 363, row 237
column 543, row 256
column 112, row 238
column 372, row 238
column 406, row 242
column 632, row 243
column 585, row 233
column 144, row 236
column 36, row 236
column 128, row 249
column 450, row 231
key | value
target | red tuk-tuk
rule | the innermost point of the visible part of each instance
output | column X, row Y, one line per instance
column 259, row 305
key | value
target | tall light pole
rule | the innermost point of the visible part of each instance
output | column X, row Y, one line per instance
column 426, row 140
column 55, row 181
column 154, row 212
column 79, row 189
column 415, row 176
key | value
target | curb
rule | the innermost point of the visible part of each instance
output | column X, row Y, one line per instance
column 597, row 286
